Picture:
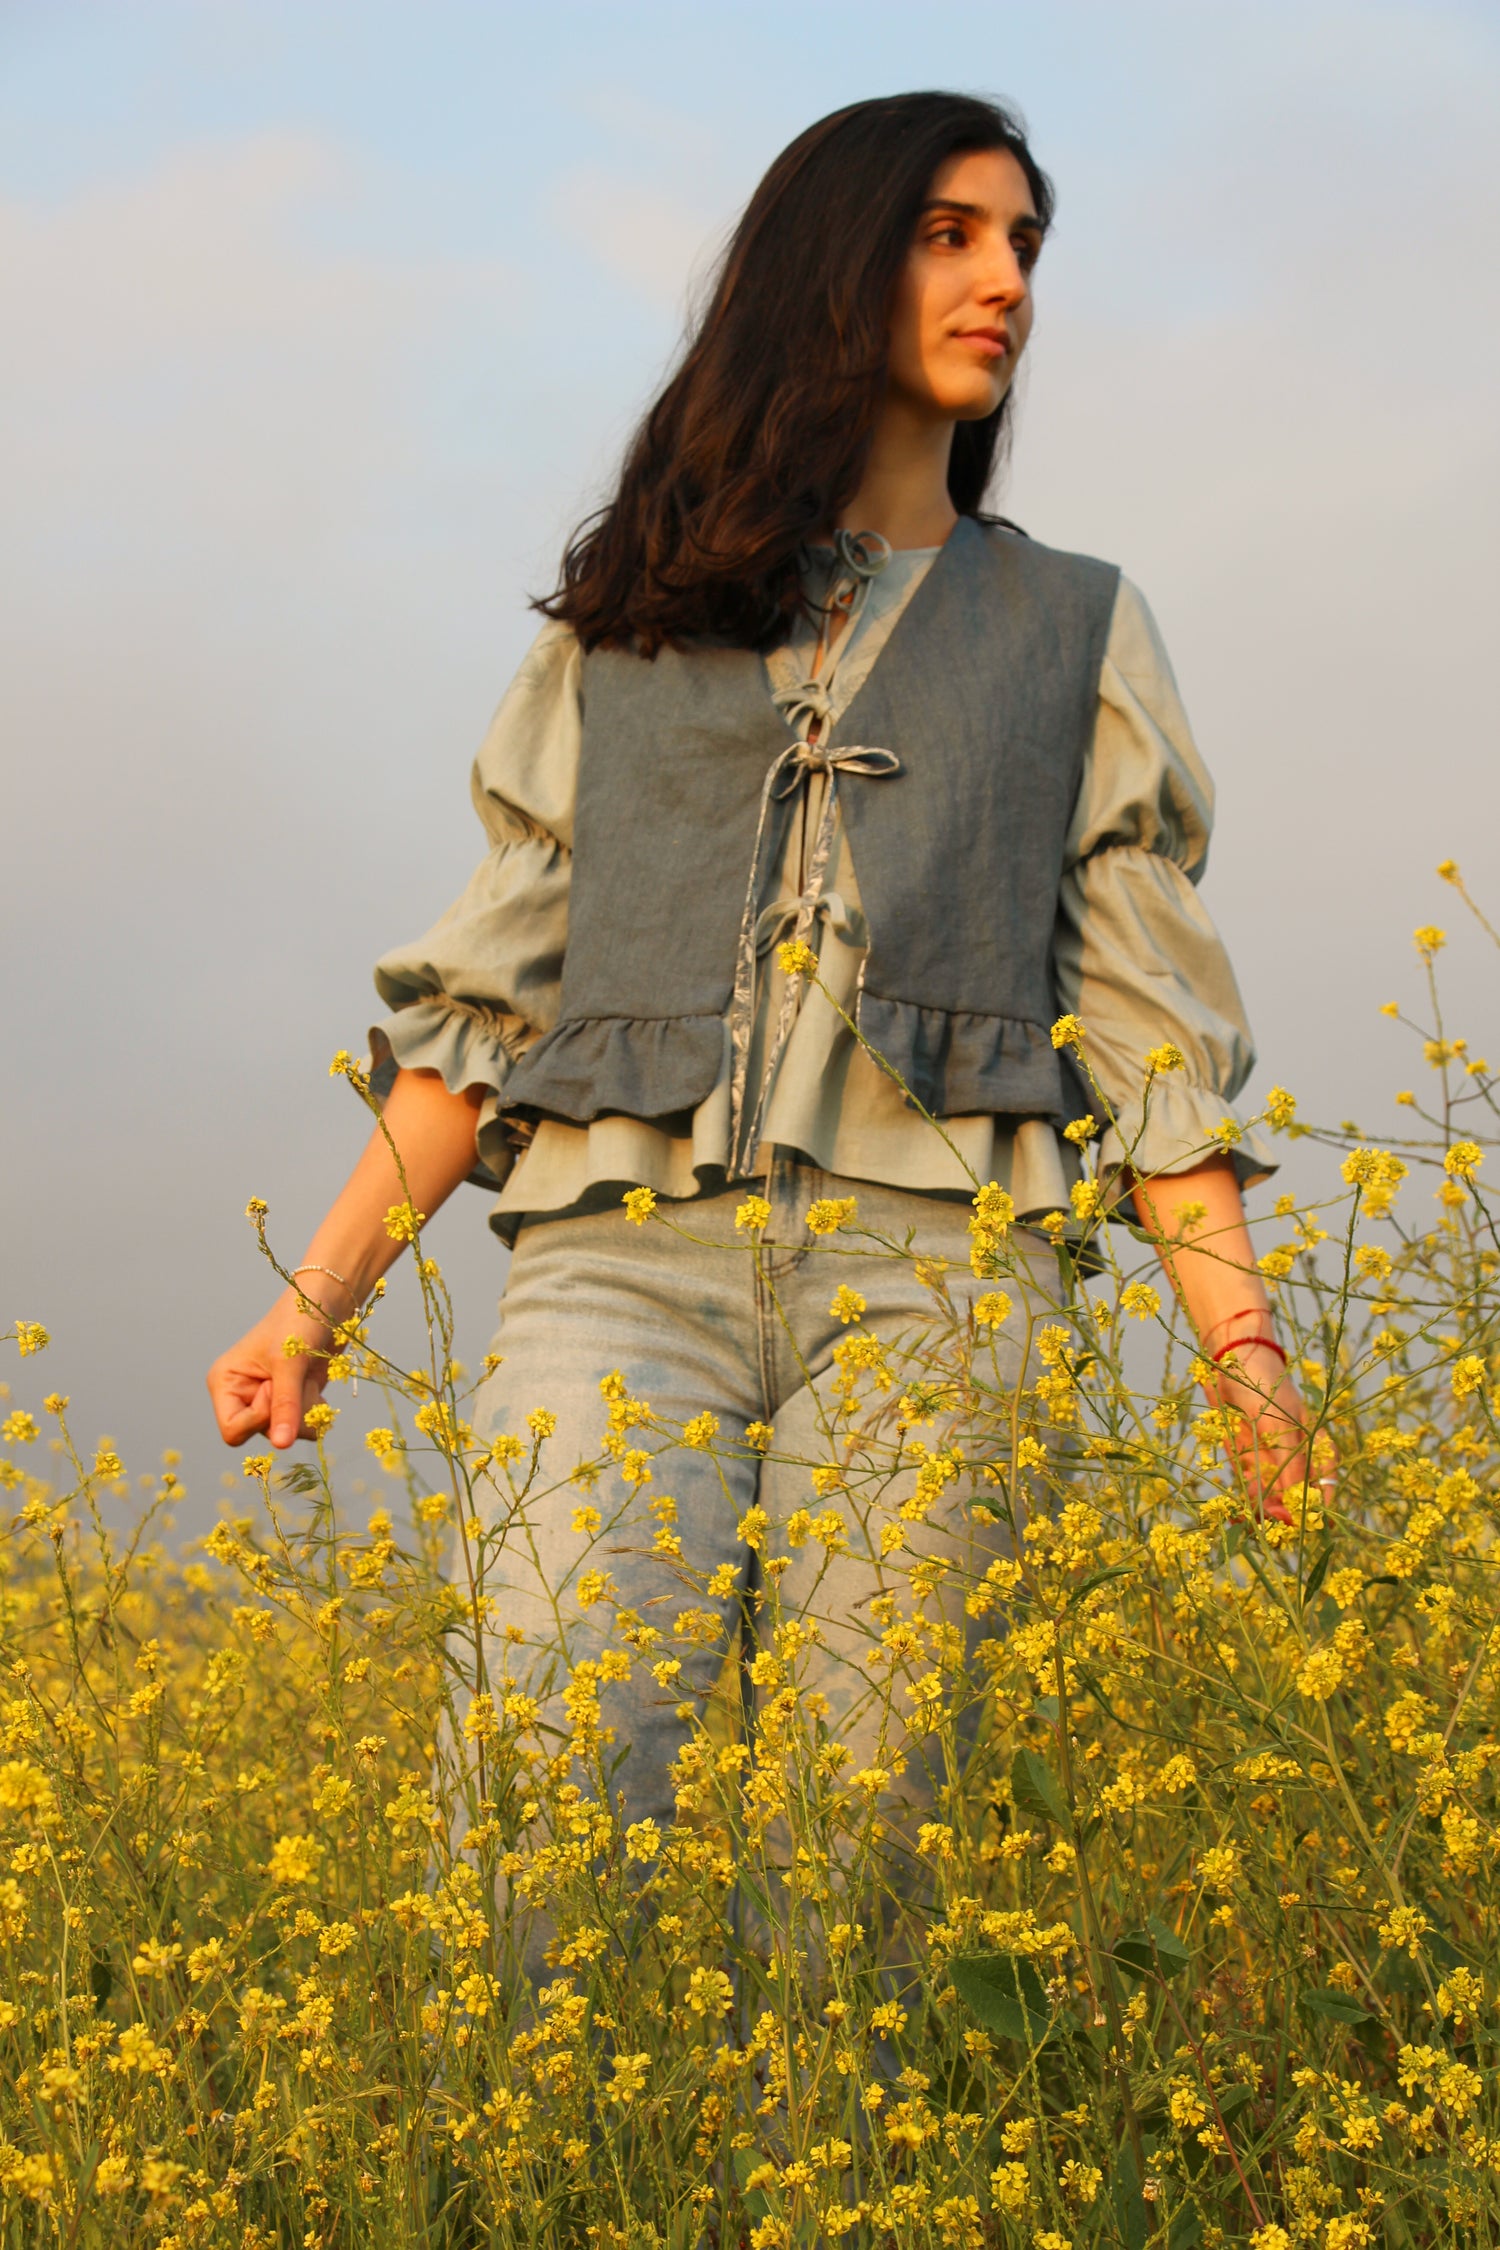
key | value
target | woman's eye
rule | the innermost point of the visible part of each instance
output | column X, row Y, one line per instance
column 951, row 236
column 1027, row 252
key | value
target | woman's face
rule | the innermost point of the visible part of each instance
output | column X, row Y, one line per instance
column 963, row 305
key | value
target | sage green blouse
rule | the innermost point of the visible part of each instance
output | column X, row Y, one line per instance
column 1136, row 956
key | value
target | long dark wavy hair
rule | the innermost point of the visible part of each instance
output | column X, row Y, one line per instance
column 761, row 436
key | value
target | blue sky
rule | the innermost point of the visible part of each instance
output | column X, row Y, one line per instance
column 325, row 323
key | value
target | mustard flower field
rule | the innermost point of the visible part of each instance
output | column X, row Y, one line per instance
column 1200, row 1946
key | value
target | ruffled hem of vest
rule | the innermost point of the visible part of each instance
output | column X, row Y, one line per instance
column 958, row 1064
column 597, row 1066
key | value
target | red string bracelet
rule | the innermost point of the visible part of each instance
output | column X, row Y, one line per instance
column 1238, row 1343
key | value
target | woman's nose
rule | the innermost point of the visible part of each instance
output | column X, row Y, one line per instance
column 1005, row 281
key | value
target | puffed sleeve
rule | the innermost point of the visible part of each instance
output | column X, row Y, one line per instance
column 470, row 995
column 1137, row 957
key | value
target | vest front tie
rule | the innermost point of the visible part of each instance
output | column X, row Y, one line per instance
column 788, row 772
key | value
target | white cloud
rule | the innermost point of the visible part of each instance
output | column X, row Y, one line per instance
column 654, row 241
column 195, row 347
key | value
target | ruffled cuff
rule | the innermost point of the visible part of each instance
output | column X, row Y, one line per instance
column 467, row 1047
column 1178, row 1127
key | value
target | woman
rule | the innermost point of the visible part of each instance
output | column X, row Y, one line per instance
column 794, row 686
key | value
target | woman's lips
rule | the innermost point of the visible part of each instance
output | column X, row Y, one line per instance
column 987, row 340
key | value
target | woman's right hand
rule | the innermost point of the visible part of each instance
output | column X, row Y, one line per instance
column 256, row 1386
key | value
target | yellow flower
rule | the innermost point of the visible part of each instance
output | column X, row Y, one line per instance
column 1463, row 1160
column 1219, row 1867
column 136, row 2050
column 403, row 1222
column 797, row 959
column 153, row 1959
column 759, row 1435
column 1010, row 2185
column 639, row 1203
column 1086, row 1197
column 1165, row 1057
column 1081, row 2181
column 1080, row 1131
column 831, row 1212
column 992, row 1310
column 1140, row 1300
column 847, row 1304
column 709, row 1992
column 1377, row 1174
column 18, row 1428
column 701, row 1431
column 752, row 1215
column 321, row 1417
column 24, row 1789
column 294, row 1860
column 1404, row 1927
column 1321, row 1674
column 541, row 1422
column 1067, row 1032
column 642, row 1840
column 1429, row 941
column 1468, row 1375
column 31, row 1336
column 629, row 2078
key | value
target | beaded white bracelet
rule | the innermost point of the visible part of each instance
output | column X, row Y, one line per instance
column 338, row 1277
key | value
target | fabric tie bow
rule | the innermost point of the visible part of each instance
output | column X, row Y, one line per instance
column 788, row 773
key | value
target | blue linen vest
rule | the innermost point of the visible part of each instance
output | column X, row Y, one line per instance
column 986, row 693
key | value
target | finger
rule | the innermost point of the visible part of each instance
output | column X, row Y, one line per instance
column 240, row 1398
column 314, row 1380
column 249, row 1419
column 287, row 1389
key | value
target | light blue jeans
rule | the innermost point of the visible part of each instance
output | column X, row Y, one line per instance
column 693, row 1322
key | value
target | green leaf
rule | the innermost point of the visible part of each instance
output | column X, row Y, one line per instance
column 1154, row 1951
column 757, row 2203
column 1005, row 1993
column 1317, row 1574
column 1132, row 2213
column 1232, row 2099
column 1336, row 2006
column 1034, row 1788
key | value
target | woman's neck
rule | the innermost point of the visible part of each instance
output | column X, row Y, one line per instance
column 903, row 493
